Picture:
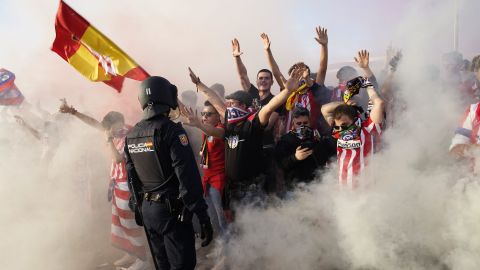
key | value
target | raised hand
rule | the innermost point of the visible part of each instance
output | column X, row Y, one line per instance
column 322, row 36
column 191, row 116
column 363, row 59
column 266, row 41
column 64, row 108
column 195, row 79
column 296, row 77
column 393, row 63
column 236, row 48
column 390, row 53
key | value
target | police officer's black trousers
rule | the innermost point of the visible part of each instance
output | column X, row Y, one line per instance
column 173, row 242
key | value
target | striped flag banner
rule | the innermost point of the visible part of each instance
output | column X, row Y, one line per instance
column 9, row 93
column 90, row 52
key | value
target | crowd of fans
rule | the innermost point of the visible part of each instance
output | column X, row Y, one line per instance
column 254, row 144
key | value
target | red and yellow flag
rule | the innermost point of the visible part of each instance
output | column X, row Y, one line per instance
column 90, row 52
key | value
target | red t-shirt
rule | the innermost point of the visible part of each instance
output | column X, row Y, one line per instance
column 216, row 155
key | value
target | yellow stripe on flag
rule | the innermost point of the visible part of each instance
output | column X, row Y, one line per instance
column 87, row 64
column 105, row 47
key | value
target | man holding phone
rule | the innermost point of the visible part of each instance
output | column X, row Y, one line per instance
column 302, row 151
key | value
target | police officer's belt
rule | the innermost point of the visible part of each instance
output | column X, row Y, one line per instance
column 154, row 197
column 268, row 146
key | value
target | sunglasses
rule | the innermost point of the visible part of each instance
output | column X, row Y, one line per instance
column 207, row 114
column 342, row 127
column 302, row 123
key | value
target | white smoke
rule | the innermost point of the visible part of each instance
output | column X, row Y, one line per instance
column 416, row 208
column 415, row 211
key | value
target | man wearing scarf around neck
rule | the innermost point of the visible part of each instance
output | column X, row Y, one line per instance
column 212, row 154
column 244, row 136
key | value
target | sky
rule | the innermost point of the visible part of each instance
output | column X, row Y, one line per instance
column 168, row 36
column 414, row 211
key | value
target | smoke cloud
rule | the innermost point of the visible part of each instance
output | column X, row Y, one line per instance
column 416, row 209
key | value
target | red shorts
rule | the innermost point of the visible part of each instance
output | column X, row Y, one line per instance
column 217, row 181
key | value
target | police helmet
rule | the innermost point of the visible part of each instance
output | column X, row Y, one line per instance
column 157, row 96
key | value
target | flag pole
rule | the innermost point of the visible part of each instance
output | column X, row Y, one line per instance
column 455, row 27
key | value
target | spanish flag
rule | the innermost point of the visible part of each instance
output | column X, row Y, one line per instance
column 90, row 52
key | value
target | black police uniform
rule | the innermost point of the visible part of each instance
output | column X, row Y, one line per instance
column 160, row 163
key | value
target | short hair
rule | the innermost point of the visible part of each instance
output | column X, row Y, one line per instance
column 475, row 65
column 267, row 71
column 219, row 88
column 345, row 109
column 242, row 96
column 207, row 103
column 111, row 118
column 300, row 111
column 297, row 64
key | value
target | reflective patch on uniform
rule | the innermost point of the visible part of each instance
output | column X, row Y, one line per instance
column 210, row 138
column 140, row 147
column 183, row 139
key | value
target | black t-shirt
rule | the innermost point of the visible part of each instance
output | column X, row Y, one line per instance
column 304, row 170
column 243, row 149
column 268, row 137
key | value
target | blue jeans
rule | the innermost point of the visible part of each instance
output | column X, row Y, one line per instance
column 216, row 199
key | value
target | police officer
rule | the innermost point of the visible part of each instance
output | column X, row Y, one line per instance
column 165, row 179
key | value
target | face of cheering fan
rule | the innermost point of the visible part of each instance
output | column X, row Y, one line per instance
column 264, row 81
column 343, row 122
column 116, row 127
column 210, row 116
column 301, row 121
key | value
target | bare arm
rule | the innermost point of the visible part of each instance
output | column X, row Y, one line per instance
column 386, row 90
column 378, row 108
column 211, row 95
column 64, row 108
column 363, row 61
column 241, row 69
column 322, row 39
column 89, row 120
column 272, row 63
column 209, row 130
column 271, row 122
column 30, row 129
column 327, row 111
column 291, row 85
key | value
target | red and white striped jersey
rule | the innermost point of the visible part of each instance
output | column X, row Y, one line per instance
column 118, row 171
column 468, row 131
column 352, row 153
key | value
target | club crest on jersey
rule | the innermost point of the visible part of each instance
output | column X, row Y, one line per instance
column 233, row 141
column 350, row 144
column 183, row 139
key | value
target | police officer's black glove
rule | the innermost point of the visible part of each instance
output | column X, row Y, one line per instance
column 206, row 233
